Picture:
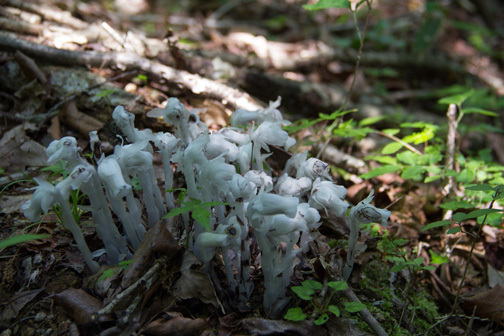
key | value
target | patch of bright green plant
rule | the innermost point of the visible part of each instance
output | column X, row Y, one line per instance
column 481, row 215
column 322, row 307
column 344, row 129
column 77, row 198
column 401, row 157
column 123, row 265
column 22, row 238
column 199, row 211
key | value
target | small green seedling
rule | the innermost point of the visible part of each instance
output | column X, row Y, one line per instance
column 124, row 265
column 200, row 211
column 322, row 307
column 19, row 239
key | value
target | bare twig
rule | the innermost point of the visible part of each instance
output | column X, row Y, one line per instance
column 356, row 70
column 51, row 14
column 396, row 139
column 366, row 315
column 451, row 113
column 128, row 291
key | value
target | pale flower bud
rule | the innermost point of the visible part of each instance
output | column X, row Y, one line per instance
column 327, row 195
column 111, row 175
column 314, row 168
column 366, row 213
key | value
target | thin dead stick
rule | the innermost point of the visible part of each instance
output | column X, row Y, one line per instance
column 396, row 139
column 451, row 114
column 357, row 64
column 117, row 300
column 366, row 315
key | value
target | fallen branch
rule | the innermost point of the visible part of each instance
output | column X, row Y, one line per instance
column 128, row 61
column 52, row 14
column 366, row 315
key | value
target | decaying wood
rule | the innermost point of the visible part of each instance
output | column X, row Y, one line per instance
column 48, row 13
column 307, row 100
column 128, row 61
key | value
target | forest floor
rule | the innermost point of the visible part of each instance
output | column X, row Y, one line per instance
column 65, row 65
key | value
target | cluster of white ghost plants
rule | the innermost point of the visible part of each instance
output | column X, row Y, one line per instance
column 226, row 169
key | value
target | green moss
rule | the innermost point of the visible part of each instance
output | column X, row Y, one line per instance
column 376, row 284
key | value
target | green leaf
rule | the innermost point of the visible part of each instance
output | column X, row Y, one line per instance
column 303, row 292
column 432, row 178
column 179, row 211
column 391, row 148
column 333, row 309
column 382, row 159
column 413, row 172
column 354, row 307
column 380, row 171
column 338, row 285
column 398, row 268
column 426, row 34
column 421, row 137
column 457, row 99
column 312, row 284
column 437, row 258
column 23, row 238
column 322, row 319
column 336, row 114
column 202, row 216
column 211, row 204
column 465, row 176
column 481, row 212
column 481, row 187
column 295, row 314
column 459, row 217
column 370, row 120
column 480, row 111
column 324, row 4
column 454, row 205
column 391, row 131
column 106, row 274
column 429, row 268
column 493, row 219
column 454, row 230
column 408, row 157
column 419, row 260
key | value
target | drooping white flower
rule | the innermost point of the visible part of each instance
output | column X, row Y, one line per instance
column 133, row 157
column 226, row 235
column 216, row 175
column 295, row 161
column 233, row 136
column 218, row 144
column 42, row 200
column 242, row 117
column 260, row 179
column 65, row 149
column 362, row 213
column 80, row 174
column 366, row 213
column 195, row 127
column 176, row 114
column 287, row 185
column 328, row 196
column 266, row 204
column 314, row 168
column 271, row 113
column 111, row 175
column 240, row 187
column 125, row 121
column 269, row 133
column 245, row 157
